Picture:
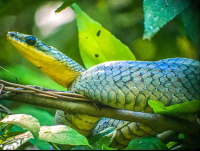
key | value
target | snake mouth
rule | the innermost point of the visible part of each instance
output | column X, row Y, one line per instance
column 12, row 35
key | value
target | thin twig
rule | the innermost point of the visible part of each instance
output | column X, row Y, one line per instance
column 2, row 86
column 16, row 90
column 54, row 146
column 68, row 94
column 48, row 93
column 57, row 91
column 9, row 72
column 6, row 94
column 30, row 91
column 5, row 109
column 96, row 107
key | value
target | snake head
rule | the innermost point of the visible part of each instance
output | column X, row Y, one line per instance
column 31, row 47
column 48, row 59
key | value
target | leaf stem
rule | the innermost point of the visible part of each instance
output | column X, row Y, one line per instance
column 123, row 125
column 8, row 128
column 54, row 146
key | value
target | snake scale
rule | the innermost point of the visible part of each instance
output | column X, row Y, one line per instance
column 122, row 84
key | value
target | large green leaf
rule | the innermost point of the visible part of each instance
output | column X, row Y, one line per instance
column 97, row 141
column 105, row 140
column 146, row 143
column 186, row 107
column 97, row 44
column 9, row 135
column 158, row 12
column 24, row 121
column 16, row 141
column 190, row 18
column 40, row 115
column 37, row 113
column 62, row 134
column 101, row 134
column 105, row 147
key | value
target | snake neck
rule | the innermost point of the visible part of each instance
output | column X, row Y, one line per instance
column 56, row 65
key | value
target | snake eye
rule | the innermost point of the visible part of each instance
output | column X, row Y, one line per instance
column 30, row 40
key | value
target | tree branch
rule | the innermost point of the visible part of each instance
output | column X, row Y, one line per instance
column 156, row 121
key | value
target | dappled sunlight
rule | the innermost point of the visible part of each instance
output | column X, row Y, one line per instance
column 47, row 20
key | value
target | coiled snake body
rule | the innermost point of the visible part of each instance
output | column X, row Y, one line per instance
column 122, row 84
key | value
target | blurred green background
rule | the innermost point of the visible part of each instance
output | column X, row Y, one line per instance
column 123, row 18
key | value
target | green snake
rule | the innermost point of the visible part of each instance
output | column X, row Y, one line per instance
column 122, row 84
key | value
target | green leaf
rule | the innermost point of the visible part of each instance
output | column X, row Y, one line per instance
column 9, row 135
column 65, row 4
column 146, row 143
column 62, row 134
column 6, row 127
column 158, row 12
column 190, row 18
column 24, row 121
column 171, row 144
column 104, row 140
column 97, row 140
column 40, row 115
column 37, row 113
column 101, row 134
column 181, row 136
column 186, row 107
column 97, row 44
column 105, row 147
column 14, row 142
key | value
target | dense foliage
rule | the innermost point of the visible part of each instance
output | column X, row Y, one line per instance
column 148, row 30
